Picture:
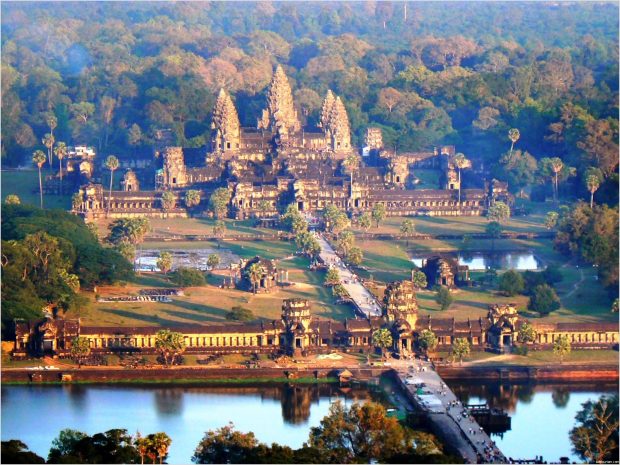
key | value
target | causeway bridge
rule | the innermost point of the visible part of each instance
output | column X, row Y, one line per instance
column 449, row 419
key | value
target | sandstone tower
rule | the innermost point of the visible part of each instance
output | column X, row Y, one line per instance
column 280, row 115
column 400, row 303
column 226, row 130
column 174, row 173
column 337, row 128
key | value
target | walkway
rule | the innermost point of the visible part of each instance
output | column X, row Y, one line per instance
column 450, row 419
column 363, row 299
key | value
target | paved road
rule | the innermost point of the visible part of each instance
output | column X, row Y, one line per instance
column 363, row 299
column 451, row 419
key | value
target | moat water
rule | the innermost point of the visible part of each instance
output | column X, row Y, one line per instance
column 541, row 415
column 521, row 261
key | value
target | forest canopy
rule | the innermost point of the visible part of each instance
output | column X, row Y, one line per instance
column 112, row 73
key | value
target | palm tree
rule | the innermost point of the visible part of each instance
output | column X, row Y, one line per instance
column 255, row 272
column 592, row 183
column 351, row 162
column 48, row 141
column 161, row 443
column 461, row 162
column 60, row 151
column 142, row 446
column 111, row 163
column 192, row 198
column 557, row 165
column 38, row 158
column 514, row 136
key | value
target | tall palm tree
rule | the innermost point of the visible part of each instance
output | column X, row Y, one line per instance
column 461, row 162
column 161, row 442
column 557, row 165
column 111, row 163
column 60, row 151
column 351, row 162
column 48, row 140
column 38, row 158
column 255, row 272
column 592, row 183
column 142, row 445
column 513, row 135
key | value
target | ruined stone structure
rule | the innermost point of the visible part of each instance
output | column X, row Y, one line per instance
column 279, row 162
column 130, row 182
column 299, row 332
column 265, row 281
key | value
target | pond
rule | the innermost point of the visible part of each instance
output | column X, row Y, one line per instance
column 146, row 260
column 542, row 414
column 521, row 261
column 275, row 413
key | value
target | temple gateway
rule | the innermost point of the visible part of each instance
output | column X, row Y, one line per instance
column 279, row 162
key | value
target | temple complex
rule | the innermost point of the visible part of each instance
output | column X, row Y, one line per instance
column 279, row 162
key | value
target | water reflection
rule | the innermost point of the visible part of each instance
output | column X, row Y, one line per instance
column 169, row 401
column 483, row 260
column 560, row 397
column 77, row 395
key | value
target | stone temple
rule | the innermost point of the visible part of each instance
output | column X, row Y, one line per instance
column 279, row 162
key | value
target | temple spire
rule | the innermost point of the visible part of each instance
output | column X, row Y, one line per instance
column 225, row 123
column 338, row 128
column 280, row 115
column 326, row 109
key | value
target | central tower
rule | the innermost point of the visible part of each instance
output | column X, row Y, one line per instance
column 280, row 116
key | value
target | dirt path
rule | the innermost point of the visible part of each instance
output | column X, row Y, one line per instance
column 576, row 285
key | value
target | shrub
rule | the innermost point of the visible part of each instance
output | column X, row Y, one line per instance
column 544, row 300
column 238, row 313
column 186, row 277
column 511, row 283
column 444, row 297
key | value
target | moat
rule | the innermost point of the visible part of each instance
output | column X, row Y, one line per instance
column 278, row 413
column 521, row 261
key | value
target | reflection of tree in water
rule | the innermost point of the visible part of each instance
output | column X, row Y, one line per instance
column 169, row 401
column 560, row 397
column 77, row 396
column 495, row 394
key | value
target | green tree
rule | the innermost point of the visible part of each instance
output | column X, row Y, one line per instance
column 255, row 272
column 12, row 199
column 443, row 297
column 164, row 262
column 213, row 260
column 170, row 345
column 519, row 169
column 225, row 445
column 112, row 164
column 382, row 338
column 427, row 341
column 161, row 443
column 80, row 348
column 551, row 220
column 48, row 141
column 188, row 277
column 238, row 313
column 335, row 219
column 460, row 348
column 365, row 221
column 168, row 200
column 192, row 198
column 38, row 158
column 218, row 202
column 526, row 333
column 378, row 213
column 544, row 300
column 419, row 279
column 128, row 230
column 143, row 444
column 355, row 256
column 562, row 347
column 15, row 451
column 513, row 135
column 61, row 152
column 592, row 183
column 332, row 277
column 511, row 283
column 407, row 229
column 499, row 212
column 461, row 162
column 127, row 250
column 339, row 291
column 362, row 433
column 345, row 242
column 351, row 163
column 595, row 437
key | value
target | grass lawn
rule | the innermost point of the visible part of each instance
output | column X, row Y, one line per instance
column 25, row 184
column 209, row 304
column 541, row 357
column 429, row 178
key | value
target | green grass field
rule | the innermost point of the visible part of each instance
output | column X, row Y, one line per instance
column 25, row 184
column 539, row 357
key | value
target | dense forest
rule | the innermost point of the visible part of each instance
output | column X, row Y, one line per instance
column 427, row 73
